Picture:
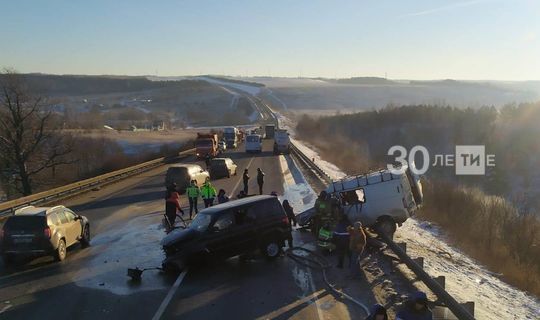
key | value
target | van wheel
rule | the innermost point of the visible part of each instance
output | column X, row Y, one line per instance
column 271, row 249
column 85, row 240
column 61, row 251
column 387, row 227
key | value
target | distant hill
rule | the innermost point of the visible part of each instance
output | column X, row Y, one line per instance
column 362, row 80
column 74, row 85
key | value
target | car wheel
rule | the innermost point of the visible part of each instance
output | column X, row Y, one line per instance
column 387, row 227
column 85, row 241
column 271, row 249
column 61, row 251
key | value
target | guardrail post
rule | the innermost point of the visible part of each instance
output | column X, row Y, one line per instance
column 402, row 246
column 469, row 306
column 441, row 281
column 419, row 261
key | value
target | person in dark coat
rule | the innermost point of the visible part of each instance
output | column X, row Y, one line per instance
column 290, row 213
column 341, row 239
column 416, row 308
column 378, row 312
column 292, row 219
column 260, row 180
column 222, row 196
column 245, row 178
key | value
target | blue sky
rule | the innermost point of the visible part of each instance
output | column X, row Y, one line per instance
column 415, row 39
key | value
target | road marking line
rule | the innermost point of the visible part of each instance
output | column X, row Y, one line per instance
column 170, row 295
column 240, row 179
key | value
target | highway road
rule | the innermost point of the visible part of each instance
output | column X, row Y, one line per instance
column 126, row 229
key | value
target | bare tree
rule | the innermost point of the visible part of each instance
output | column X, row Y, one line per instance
column 29, row 143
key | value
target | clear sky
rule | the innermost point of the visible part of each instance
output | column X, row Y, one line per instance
column 407, row 39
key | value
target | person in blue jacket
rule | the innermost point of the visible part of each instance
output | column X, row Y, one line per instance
column 416, row 308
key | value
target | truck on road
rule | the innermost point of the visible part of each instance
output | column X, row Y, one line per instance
column 231, row 135
column 282, row 142
column 206, row 145
column 254, row 143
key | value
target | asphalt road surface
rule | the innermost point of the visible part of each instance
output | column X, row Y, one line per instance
column 126, row 230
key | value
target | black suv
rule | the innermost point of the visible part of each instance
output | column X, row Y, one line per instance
column 41, row 231
column 230, row 229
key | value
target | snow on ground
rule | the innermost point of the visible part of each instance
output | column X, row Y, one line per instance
column 466, row 279
column 296, row 189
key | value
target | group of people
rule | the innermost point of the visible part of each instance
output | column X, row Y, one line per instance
column 415, row 308
column 260, row 180
column 207, row 192
column 334, row 231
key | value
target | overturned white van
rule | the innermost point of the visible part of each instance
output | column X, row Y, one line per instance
column 379, row 199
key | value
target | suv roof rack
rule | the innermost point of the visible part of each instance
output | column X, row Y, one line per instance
column 55, row 208
column 21, row 209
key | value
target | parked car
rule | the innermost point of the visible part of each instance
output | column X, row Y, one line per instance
column 42, row 231
column 182, row 174
column 222, row 167
column 229, row 229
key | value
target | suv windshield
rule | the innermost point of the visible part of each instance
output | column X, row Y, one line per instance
column 204, row 143
column 201, row 222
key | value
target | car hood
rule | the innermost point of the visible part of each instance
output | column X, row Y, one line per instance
column 179, row 235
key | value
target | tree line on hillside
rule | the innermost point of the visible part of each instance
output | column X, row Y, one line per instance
column 73, row 85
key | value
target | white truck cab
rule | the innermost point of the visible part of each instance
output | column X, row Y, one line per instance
column 254, row 143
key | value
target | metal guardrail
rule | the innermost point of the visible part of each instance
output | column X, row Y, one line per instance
column 9, row 207
column 436, row 285
column 310, row 164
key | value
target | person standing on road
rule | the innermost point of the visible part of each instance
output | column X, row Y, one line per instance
column 322, row 210
column 356, row 245
column 290, row 213
column 341, row 239
column 292, row 219
column 416, row 308
column 208, row 193
column 193, row 192
column 245, row 177
column 207, row 161
column 260, row 180
column 172, row 205
column 222, row 196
